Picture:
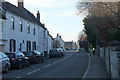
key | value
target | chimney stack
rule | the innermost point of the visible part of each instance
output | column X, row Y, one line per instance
column 20, row 3
column 38, row 15
column 57, row 34
column 43, row 25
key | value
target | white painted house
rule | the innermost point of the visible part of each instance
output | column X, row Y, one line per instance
column 22, row 30
column 2, row 31
column 50, row 43
column 59, row 41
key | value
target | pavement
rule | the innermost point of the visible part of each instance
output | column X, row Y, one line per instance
column 96, row 68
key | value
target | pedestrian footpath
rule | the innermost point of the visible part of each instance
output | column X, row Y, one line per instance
column 96, row 68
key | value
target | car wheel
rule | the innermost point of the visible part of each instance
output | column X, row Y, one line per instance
column 20, row 65
column 6, row 68
column 28, row 64
column 42, row 61
column 37, row 62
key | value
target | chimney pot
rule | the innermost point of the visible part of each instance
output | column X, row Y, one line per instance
column 57, row 34
column 20, row 3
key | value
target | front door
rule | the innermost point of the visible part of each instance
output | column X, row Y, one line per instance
column 20, row 47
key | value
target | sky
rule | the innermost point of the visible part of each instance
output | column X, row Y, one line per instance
column 59, row 16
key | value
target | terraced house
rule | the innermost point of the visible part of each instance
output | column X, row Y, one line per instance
column 21, row 30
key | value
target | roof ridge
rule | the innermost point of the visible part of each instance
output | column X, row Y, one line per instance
column 22, row 12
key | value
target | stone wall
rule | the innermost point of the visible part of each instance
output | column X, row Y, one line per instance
column 111, row 61
column 114, row 64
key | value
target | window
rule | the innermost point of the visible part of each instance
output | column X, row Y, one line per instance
column 44, row 34
column 34, row 45
column 2, row 28
column 33, row 30
column 21, row 27
column 12, row 45
column 28, row 25
column 28, row 46
column 12, row 23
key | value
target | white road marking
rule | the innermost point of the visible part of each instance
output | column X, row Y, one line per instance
column 55, row 62
column 62, row 60
column 47, row 66
column 34, row 71
column 17, row 78
column 87, row 68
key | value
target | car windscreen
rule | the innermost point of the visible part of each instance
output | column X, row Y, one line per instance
column 53, row 50
column 37, row 52
column 27, row 53
column 10, row 55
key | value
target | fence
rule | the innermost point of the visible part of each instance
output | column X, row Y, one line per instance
column 111, row 58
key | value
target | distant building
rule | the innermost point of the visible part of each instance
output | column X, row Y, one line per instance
column 69, row 45
column 78, row 45
column 58, row 42
column 74, row 45
column 83, row 43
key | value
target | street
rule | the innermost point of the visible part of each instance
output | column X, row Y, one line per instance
column 72, row 65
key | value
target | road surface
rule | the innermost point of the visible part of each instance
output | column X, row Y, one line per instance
column 72, row 65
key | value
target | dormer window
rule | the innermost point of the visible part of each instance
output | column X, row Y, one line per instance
column 21, row 26
column 12, row 23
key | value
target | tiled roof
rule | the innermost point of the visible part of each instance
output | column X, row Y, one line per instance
column 2, row 13
column 22, row 12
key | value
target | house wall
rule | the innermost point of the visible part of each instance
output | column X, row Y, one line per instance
column 61, row 42
column 20, row 37
column 2, row 35
column 41, row 39
column 50, row 43
column 45, row 40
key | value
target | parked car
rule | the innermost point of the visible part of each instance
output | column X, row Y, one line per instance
column 67, row 49
column 18, row 60
column 4, row 62
column 61, row 51
column 54, row 53
column 34, row 56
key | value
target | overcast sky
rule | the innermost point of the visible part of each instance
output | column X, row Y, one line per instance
column 59, row 16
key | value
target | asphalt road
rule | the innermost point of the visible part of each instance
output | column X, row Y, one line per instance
column 72, row 65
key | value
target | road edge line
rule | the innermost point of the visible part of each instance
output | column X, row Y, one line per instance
column 87, row 68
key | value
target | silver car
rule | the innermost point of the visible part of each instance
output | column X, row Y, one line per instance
column 4, row 62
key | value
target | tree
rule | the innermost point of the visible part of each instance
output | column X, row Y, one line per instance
column 101, row 20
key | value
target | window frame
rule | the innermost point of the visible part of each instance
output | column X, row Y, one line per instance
column 12, row 23
column 21, row 26
column 34, row 46
column 28, row 28
column 34, row 31
column 28, row 46
column 12, row 45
